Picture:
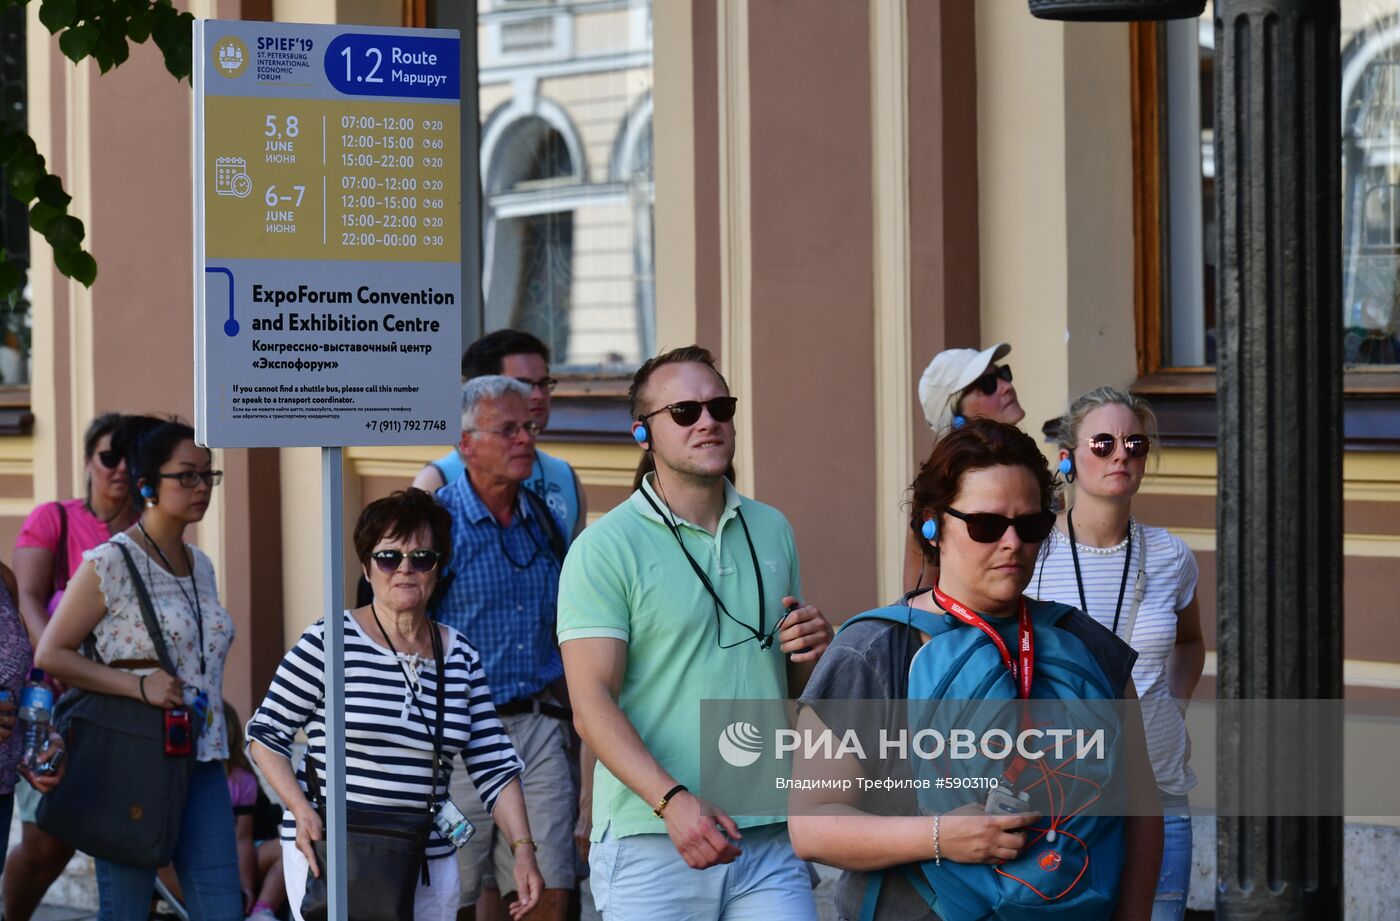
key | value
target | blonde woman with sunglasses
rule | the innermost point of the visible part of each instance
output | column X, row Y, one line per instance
column 1140, row 582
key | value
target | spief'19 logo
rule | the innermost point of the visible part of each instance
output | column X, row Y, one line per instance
column 230, row 56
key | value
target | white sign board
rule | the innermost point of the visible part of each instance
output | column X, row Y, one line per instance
column 327, row 235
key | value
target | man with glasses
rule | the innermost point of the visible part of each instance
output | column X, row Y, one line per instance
column 686, row 591
column 507, row 546
column 519, row 355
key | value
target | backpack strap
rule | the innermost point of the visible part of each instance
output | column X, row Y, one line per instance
column 910, row 616
column 60, row 557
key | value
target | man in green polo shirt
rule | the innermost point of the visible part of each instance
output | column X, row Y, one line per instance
column 675, row 596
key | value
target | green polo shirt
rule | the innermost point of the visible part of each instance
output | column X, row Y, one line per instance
column 625, row 578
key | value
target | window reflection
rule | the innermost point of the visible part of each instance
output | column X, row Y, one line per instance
column 567, row 178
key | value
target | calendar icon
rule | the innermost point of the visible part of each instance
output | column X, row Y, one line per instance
column 231, row 177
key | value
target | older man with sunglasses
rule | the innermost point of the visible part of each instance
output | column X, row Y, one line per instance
column 686, row 591
column 507, row 546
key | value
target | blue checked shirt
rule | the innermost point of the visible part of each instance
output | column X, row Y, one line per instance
column 504, row 595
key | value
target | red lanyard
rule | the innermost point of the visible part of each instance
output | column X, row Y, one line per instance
column 1023, row 674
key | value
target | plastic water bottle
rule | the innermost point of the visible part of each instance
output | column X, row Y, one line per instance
column 35, row 708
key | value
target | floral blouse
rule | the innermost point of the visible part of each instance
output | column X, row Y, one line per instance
column 121, row 634
column 15, row 658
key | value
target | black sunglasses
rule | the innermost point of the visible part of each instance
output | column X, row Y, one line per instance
column 687, row 412
column 1136, row 445
column 109, row 458
column 420, row 560
column 987, row 383
column 988, row 528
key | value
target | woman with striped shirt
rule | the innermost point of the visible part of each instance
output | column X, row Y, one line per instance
column 391, row 682
column 1140, row 582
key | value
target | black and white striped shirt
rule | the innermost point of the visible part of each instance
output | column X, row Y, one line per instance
column 389, row 744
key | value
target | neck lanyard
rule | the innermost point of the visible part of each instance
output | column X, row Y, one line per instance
column 398, row 660
column 1079, row 578
column 1022, row 669
column 193, row 605
column 764, row 640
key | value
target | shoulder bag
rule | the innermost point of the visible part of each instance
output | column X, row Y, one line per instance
column 122, row 796
column 387, row 849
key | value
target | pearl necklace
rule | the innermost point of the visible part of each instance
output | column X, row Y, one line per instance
column 1104, row 551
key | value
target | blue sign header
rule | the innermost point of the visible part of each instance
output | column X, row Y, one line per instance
column 381, row 64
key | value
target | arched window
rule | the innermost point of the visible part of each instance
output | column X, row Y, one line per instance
column 528, row 264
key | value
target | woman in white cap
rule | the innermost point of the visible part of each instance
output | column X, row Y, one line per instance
column 960, row 384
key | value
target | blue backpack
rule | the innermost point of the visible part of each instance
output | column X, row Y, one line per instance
column 955, row 680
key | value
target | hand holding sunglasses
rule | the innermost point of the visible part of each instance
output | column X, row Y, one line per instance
column 687, row 412
column 988, row 528
column 1102, row 444
column 420, row 561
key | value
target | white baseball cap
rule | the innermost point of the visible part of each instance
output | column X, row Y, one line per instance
column 950, row 373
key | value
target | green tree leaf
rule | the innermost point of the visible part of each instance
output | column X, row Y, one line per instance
column 41, row 216
column 77, row 265
column 58, row 14
column 64, row 233
column 50, row 191
column 78, row 42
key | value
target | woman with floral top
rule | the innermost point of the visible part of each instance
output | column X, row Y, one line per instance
column 173, row 478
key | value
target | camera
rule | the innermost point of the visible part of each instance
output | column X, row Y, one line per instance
column 455, row 827
column 179, row 740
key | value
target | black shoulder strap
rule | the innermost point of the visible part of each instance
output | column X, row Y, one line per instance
column 60, row 558
column 548, row 523
column 148, row 611
column 441, row 681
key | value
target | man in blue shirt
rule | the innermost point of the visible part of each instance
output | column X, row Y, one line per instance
column 525, row 358
column 507, row 547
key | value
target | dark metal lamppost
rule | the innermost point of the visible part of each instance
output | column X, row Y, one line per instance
column 1279, row 385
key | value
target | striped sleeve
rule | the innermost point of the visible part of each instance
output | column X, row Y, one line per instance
column 489, row 756
column 294, row 695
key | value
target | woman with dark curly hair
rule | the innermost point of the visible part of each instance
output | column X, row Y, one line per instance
column 394, row 668
column 981, row 508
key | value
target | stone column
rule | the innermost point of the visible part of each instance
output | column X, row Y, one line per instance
column 1279, row 511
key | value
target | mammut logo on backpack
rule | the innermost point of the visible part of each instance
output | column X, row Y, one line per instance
column 1050, row 861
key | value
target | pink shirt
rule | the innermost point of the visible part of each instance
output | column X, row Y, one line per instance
column 242, row 791
column 42, row 527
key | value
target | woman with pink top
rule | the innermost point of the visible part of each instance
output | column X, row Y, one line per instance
column 48, row 551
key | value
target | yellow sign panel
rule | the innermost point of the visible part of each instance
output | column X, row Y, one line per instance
column 321, row 179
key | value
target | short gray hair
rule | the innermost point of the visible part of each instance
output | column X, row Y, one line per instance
column 487, row 387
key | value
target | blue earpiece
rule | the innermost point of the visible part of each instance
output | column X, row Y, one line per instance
column 639, row 435
column 1066, row 468
column 959, row 422
column 148, row 492
column 930, row 529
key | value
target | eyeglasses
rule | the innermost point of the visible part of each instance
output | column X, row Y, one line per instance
column 1103, row 444
column 988, row 528
column 687, row 412
column 420, row 560
column 192, row 478
column 987, row 383
column 547, row 384
column 511, row 429
column 109, row 458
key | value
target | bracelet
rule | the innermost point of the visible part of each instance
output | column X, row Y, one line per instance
column 937, row 857
column 519, row 841
column 665, row 800
column 142, row 685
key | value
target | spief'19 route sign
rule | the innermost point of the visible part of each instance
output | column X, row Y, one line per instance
column 327, row 235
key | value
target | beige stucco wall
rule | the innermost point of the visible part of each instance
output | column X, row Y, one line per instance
column 1055, row 166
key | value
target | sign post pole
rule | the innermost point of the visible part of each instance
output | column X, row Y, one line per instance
column 333, row 527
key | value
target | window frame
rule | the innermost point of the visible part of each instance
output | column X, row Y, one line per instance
column 1185, row 396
